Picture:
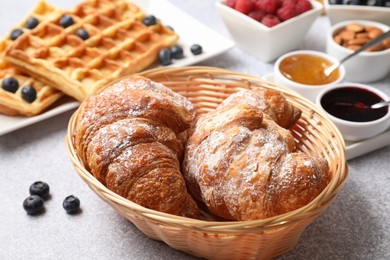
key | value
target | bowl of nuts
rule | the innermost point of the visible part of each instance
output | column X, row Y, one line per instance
column 267, row 29
column 347, row 36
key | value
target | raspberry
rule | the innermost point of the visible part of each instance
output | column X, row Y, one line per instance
column 270, row 20
column 303, row 6
column 270, row 6
column 257, row 15
column 286, row 12
column 258, row 5
column 245, row 6
column 230, row 3
column 289, row 3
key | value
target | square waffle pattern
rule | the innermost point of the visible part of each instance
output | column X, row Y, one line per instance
column 14, row 103
column 119, row 44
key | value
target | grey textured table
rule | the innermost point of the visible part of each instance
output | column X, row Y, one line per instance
column 355, row 226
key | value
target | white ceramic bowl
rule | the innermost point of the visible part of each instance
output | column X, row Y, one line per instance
column 356, row 131
column 366, row 66
column 308, row 91
column 267, row 43
column 339, row 13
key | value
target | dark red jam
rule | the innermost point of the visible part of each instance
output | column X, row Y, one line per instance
column 353, row 104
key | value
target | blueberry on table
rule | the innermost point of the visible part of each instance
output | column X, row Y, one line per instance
column 15, row 34
column 31, row 23
column 82, row 33
column 149, row 20
column 29, row 94
column 71, row 204
column 196, row 49
column 177, row 52
column 40, row 189
column 165, row 56
column 66, row 21
column 10, row 84
column 33, row 204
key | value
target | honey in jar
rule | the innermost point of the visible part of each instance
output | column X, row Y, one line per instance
column 307, row 69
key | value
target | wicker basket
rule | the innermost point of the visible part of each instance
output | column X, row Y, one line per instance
column 206, row 87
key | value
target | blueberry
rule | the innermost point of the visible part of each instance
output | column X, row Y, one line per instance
column 29, row 93
column 82, row 33
column 353, row 2
column 170, row 28
column 10, row 84
column 375, row 2
column 177, row 52
column 16, row 33
column 196, row 49
column 31, row 23
column 66, row 21
column 165, row 56
column 40, row 188
column 71, row 204
column 33, row 204
column 149, row 20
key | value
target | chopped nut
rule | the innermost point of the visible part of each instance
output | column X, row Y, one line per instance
column 347, row 35
column 354, row 27
column 353, row 47
column 377, row 47
column 369, row 28
column 353, row 36
column 362, row 35
column 386, row 43
column 359, row 41
column 338, row 39
column 374, row 33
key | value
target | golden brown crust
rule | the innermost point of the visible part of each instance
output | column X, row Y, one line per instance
column 133, row 97
column 297, row 179
column 127, row 137
column 271, row 102
column 241, row 165
column 13, row 103
column 111, row 140
column 119, row 44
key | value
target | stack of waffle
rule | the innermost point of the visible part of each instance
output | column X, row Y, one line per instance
column 12, row 101
column 79, row 51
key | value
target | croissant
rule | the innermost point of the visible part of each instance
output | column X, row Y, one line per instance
column 241, row 163
column 129, row 137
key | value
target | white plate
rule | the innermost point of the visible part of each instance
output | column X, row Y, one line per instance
column 355, row 149
column 11, row 123
column 190, row 32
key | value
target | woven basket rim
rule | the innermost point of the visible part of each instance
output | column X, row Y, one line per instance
column 315, row 207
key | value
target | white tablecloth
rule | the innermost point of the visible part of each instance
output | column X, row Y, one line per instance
column 355, row 226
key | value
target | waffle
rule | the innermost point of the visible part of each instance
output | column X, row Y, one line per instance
column 119, row 44
column 13, row 103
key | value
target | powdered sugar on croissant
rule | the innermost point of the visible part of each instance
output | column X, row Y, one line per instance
column 241, row 163
column 127, row 137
